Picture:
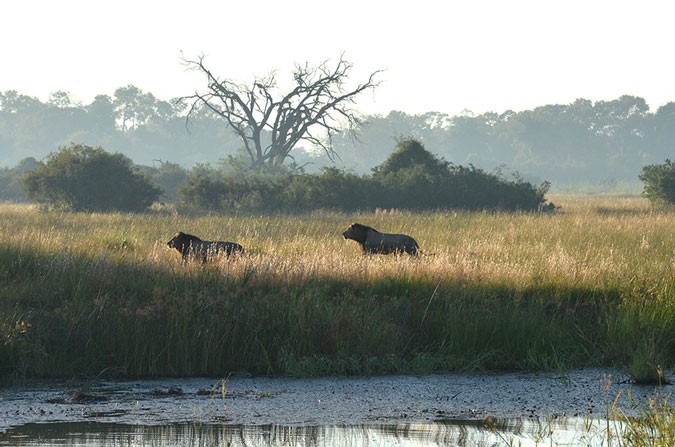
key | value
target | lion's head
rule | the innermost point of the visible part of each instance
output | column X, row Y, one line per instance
column 357, row 232
column 182, row 242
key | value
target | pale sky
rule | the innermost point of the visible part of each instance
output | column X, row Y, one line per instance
column 441, row 55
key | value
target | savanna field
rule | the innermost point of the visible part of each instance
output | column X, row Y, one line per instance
column 101, row 295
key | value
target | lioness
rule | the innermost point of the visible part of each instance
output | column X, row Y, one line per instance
column 191, row 247
column 372, row 241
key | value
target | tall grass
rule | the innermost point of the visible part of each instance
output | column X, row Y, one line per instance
column 654, row 425
column 102, row 294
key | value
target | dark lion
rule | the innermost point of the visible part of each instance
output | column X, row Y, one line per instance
column 372, row 241
column 191, row 247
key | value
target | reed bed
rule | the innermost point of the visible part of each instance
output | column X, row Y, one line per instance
column 94, row 294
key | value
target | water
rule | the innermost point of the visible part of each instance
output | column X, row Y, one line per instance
column 569, row 409
column 448, row 433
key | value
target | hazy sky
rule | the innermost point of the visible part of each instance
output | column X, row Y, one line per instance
column 445, row 56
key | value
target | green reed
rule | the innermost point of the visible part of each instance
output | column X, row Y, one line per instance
column 653, row 426
column 102, row 294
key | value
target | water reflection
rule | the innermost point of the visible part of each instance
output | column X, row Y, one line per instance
column 524, row 432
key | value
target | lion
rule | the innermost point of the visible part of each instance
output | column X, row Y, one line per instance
column 191, row 247
column 372, row 241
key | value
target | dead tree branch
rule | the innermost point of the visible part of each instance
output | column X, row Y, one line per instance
column 317, row 107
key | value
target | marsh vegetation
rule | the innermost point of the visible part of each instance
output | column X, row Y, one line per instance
column 102, row 295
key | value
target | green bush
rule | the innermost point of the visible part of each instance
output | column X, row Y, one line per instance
column 411, row 178
column 90, row 179
column 331, row 189
column 659, row 182
column 204, row 193
column 410, row 153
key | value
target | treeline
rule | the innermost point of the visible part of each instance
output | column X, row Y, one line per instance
column 585, row 141
column 602, row 142
column 146, row 129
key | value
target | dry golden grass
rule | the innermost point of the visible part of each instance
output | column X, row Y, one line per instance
column 591, row 240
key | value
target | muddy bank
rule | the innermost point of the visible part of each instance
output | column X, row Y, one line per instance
column 322, row 401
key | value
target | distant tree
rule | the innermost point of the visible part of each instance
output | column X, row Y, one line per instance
column 170, row 176
column 271, row 124
column 60, row 99
column 11, row 180
column 410, row 153
column 663, row 134
column 101, row 116
column 659, row 182
column 133, row 107
column 28, row 164
column 13, row 102
column 90, row 179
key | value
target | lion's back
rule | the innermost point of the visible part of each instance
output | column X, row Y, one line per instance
column 386, row 243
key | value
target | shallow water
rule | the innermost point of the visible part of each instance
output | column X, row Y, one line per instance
column 453, row 409
column 448, row 433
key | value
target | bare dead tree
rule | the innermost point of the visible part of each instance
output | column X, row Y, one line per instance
column 318, row 107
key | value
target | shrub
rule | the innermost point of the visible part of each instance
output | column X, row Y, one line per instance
column 659, row 182
column 83, row 178
column 410, row 153
column 411, row 178
column 414, row 178
column 203, row 193
column 331, row 189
